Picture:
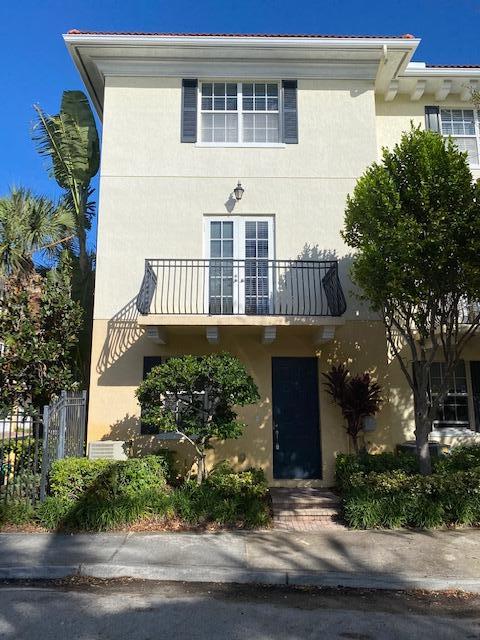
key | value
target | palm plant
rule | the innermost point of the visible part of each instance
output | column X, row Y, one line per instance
column 30, row 224
column 357, row 396
column 70, row 140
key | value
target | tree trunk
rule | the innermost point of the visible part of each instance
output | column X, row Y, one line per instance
column 422, row 430
column 201, row 468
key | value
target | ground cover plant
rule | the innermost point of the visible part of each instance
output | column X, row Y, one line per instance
column 387, row 490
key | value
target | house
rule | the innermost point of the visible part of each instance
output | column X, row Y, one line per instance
column 226, row 164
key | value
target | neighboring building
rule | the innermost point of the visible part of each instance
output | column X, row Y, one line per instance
column 185, row 267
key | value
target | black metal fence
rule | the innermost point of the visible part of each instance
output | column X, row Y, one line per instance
column 241, row 287
column 29, row 445
column 21, row 440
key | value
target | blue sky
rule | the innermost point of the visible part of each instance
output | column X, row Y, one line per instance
column 35, row 66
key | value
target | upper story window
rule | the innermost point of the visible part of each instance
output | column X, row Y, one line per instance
column 463, row 126
column 240, row 113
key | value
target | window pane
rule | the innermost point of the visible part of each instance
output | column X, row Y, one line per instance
column 219, row 104
column 259, row 89
column 215, row 229
column 263, row 229
column 470, row 146
column 219, row 89
column 232, row 90
column 231, row 104
column 248, row 104
column 207, row 103
column 215, row 248
column 272, row 104
column 272, row 90
column 207, row 127
column 260, row 104
column 207, row 89
column 247, row 89
column 251, row 229
column 227, row 249
column 227, row 229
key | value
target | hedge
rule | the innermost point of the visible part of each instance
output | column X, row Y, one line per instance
column 100, row 495
column 394, row 495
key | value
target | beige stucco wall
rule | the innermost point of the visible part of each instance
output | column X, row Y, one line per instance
column 154, row 191
column 117, row 362
column 154, row 194
column 395, row 117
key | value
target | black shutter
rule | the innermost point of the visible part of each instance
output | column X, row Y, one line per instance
column 189, row 110
column 290, row 113
column 475, row 378
column 148, row 363
column 432, row 119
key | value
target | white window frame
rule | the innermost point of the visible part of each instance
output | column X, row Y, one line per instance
column 476, row 122
column 240, row 113
column 238, row 254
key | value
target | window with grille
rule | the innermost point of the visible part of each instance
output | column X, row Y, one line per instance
column 221, row 267
column 257, row 294
column 463, row 126
column 453, row 411
column 240, row 113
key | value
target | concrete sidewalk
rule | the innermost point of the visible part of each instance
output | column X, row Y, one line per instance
column 363, row 559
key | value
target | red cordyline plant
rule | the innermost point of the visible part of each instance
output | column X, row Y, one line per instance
column 357, row 396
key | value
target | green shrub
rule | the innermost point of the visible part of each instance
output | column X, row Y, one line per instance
column 347, row 465
column 16, row 512
column 53, row 511
column 225, row 498
column 73, row 478
column 396, row 499
column 460, row 458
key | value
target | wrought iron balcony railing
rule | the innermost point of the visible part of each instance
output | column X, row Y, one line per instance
column 259, row 287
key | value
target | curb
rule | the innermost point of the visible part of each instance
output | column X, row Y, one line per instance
column 238, row 576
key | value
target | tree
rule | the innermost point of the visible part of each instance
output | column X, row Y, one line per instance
column 30, row 224
column 357, row 396
column 70, row 140
column 39, row 325
column 196, row 397
column 414, row 221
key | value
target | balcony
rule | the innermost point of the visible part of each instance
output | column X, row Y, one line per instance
column 250, row 288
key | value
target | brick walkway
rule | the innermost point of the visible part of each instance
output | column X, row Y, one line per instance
column 305, row 509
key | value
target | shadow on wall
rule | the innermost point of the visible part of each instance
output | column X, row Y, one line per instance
column 123, row 332
column 128, row 430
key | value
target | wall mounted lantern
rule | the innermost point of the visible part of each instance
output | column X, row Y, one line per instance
column 238, row 191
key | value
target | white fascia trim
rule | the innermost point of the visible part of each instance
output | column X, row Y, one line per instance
column 413, row 71
column 317, row 43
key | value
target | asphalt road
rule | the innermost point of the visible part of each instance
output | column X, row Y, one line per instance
column 96, row 610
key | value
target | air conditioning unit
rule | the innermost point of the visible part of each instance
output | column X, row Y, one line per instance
column 109, row 449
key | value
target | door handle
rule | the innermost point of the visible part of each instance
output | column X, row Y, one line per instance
column 277, row 444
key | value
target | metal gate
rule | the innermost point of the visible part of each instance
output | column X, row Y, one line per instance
column 29, row 445
column 63, row 431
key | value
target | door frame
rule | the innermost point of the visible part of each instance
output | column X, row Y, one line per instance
column 238, row 254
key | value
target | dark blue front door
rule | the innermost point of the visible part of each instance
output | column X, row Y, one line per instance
column 296, row 420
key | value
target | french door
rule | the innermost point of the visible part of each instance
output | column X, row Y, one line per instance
column 239, row 275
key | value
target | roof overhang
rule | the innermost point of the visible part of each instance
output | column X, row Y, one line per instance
column 441, row 82
column 97, row 56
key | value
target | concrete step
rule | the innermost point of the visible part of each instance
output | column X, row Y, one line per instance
column 312, row 511
column 285, row 502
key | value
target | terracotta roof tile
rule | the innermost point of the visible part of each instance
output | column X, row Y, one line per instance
column 453, row 66
column 406, row 36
